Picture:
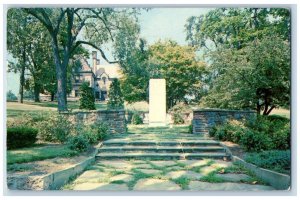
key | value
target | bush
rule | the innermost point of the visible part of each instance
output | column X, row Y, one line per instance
column 279, row 161
column 21, row 136
column 178, row 118
column 115, row 96
column 255, row 134
column 10, row 96
column 87, row 98
column 101, row 129
column 136, row 119
column 78, row 143
column 56, row 129
column 256, row 141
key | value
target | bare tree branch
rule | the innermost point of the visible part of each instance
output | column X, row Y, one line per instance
column 95, row 47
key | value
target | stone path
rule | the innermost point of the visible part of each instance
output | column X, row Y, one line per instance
column 145, row 175
column 151, row 160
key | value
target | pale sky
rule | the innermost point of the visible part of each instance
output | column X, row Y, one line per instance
column 157, row 23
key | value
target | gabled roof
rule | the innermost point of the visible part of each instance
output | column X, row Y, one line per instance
column 85, row 66
column 112, row 70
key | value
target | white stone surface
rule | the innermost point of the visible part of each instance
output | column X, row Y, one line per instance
column 157, row 102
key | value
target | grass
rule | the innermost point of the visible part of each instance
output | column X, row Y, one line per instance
column 40, row 152
column 15, row 109
column 281, row 112
column 183, row 182
column 211, row 178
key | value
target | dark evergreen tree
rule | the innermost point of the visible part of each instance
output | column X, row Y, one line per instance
column 87, row 98
column 116, row 99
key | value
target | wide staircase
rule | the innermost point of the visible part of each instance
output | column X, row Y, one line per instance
column 162, row 147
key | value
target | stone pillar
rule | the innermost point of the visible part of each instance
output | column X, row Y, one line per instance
column 157, row 102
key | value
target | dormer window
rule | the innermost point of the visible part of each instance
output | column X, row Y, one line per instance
column 104, row 80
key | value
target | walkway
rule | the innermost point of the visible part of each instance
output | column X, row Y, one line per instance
column 166, row 161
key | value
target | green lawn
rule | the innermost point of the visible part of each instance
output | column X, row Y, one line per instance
column 281, row 112
column 38, row 152
column 33, row 108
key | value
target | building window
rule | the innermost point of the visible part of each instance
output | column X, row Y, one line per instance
column 76, row 93
column 104, row 80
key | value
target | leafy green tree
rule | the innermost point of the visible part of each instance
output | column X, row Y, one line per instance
column 249, row 55
column 87, row 98
column 115, row 96
column 17, row 44
column 181, row 69
column 254, row 77
column 65, row 24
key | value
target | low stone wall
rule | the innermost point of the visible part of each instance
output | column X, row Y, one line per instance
column 114, row 118
column 207, row 118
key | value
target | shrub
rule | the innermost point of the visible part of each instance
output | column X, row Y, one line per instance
column 256, row 141
column 178, row 118
column 21, row 136
column 279, row 161
column 10, row 96
column 56, row 129
column 115, row 96
column 78, row 143
column 87, row 98
column 101, row 130
column 136, row 119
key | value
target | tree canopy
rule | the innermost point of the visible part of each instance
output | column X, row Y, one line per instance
column 249, row 55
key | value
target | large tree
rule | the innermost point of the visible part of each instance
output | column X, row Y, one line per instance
column 249, row 55
column 255, row 77
column 181, row 69
column 65, row 26
column 18, row 41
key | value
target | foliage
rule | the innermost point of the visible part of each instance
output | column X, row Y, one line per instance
column 181, row 69
column 64, row 25
column 279, row 161
column 257, row 134
column 10, row 96
column 190, row 128
column 38, row 152
column 136, row 119
column 21, row 136
column 115, row 96
column 101, row 129
column 78, row 143
column 56, row 128
column 178, row 119
column 249, row 52
column 87, row 98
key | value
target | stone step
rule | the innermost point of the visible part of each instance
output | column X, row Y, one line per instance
column 171, row 149
column 161, row 143
column 161, row 156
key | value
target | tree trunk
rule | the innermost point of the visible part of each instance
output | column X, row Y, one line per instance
column 22, row 82
column 22, row 77
column 52, row 96
column 36, row 92
column 61, row 76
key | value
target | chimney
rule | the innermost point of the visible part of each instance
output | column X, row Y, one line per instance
column 94, row 56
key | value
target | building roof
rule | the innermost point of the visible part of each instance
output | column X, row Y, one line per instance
column 112, row 70
column 85, row 65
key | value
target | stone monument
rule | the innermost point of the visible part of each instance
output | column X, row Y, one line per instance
column 157, row 102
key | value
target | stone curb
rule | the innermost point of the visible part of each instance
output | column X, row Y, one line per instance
column 277, row 180
column 55, row 180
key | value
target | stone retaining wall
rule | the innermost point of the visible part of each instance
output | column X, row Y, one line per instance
column 114, row 118
column 211, row 117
